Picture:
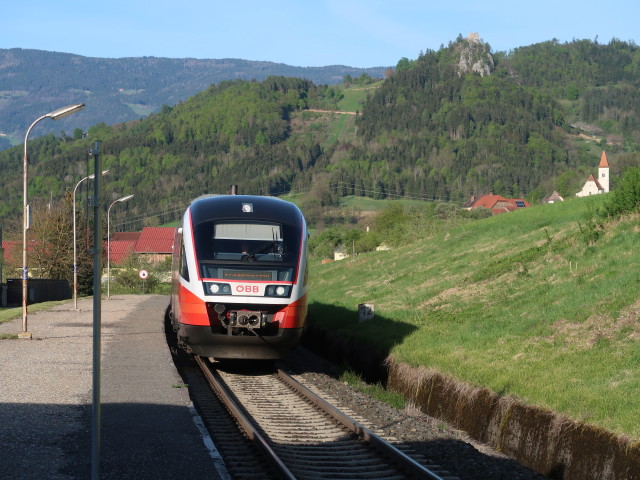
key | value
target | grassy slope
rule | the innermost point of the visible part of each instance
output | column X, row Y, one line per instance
column 518, row 303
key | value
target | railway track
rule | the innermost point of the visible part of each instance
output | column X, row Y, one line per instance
column 290, row 432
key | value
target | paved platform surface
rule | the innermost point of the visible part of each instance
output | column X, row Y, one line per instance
column 147, row 422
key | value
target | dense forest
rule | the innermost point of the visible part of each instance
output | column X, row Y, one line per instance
column 454, row 122
column 430, row 129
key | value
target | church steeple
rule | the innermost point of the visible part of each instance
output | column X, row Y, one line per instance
column 603, row 172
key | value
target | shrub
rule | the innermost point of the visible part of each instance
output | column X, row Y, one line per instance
column 126, row 276
column 626, row 197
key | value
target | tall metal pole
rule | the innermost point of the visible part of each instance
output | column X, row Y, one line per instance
column 26, row 220
column 1, row 255
column 109, row 253
column 122, row 199
column 75, row 247
column 97, row 298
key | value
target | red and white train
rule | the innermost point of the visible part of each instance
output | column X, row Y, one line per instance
column 239, row 277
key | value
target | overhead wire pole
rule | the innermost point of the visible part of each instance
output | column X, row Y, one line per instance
column 97, row 318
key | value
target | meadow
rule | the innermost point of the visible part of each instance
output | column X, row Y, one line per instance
column 540, row 304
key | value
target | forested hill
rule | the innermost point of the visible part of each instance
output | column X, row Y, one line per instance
column 34, row 82
column 510, row 128
column 454, row 122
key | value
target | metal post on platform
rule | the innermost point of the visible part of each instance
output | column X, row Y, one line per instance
column 75, row 247
column 26, row 212
column 97, row 305
column 122, row 199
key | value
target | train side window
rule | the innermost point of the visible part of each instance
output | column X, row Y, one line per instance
column 184, row 268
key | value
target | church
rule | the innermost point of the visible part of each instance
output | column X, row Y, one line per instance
column 593, row 186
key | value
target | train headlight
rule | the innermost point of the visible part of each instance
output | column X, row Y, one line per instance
column 277, row 291
column 212, row 288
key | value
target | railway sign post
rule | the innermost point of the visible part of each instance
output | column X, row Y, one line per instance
column 143, row 274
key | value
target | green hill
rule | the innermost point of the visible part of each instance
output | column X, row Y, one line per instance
column 121, row 89
column 451, row 123
column 530, row 304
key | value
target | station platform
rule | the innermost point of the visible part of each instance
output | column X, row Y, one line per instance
column 149, row 429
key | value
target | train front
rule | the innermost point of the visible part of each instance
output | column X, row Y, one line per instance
column 240, row 277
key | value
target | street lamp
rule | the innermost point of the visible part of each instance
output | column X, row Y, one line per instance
column 26, row 221
column 123, row 199
column 75, row 249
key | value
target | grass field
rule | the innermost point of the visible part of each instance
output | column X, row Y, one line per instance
column 355, row 96
column 519, row 303
column 373, row 205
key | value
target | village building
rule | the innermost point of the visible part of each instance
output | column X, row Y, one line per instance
column 153, row 243
column 595, row 186
column 553, row 198
column 496, row 203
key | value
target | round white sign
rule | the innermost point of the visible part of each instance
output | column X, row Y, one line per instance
column 143, row 274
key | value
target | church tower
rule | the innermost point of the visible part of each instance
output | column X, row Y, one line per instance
column 603, row 172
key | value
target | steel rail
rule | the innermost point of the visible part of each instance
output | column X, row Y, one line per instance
column 360, row 430
column 216, row 383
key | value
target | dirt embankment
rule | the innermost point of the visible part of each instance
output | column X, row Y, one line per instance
column 544, row 441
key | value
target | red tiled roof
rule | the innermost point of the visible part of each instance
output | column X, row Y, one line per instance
column 603, row 161
column 554, row 197
column 130, row 236
column 155, row 240
column 496, row 203
column 12, row 251
column 119, row 250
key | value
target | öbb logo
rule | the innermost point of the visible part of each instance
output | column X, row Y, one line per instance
column 247, row 289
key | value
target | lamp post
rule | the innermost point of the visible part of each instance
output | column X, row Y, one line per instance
column 54, row 115
column 123, row 199
column 75, row 249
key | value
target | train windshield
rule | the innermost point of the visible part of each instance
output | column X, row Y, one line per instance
column 244, row 250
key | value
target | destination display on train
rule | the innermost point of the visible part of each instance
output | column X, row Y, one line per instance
column 251, row 275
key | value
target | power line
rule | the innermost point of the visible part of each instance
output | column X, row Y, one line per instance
column 174, row 213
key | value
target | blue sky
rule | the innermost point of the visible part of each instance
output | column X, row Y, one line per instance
column 358, row 33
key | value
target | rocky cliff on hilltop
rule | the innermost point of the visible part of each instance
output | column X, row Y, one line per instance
column 475, row 57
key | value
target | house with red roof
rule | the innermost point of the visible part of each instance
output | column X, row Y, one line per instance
column 119, row 250
column 496, row 203
column 553, row 198
column 155, row 243
column 12, row 252
column 126, row 236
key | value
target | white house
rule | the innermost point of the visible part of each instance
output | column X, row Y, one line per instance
column 594, row 186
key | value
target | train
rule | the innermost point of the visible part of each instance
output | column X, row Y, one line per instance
column 239, row 277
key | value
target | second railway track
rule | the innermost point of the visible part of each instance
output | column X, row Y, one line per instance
column 302, row 436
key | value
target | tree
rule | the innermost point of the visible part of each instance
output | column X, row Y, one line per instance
column 78, row 133
column 403, row 64
column 50, row 242
column 626, row 197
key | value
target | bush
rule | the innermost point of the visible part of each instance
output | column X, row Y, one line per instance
column 626, row 197
column 126, row 277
